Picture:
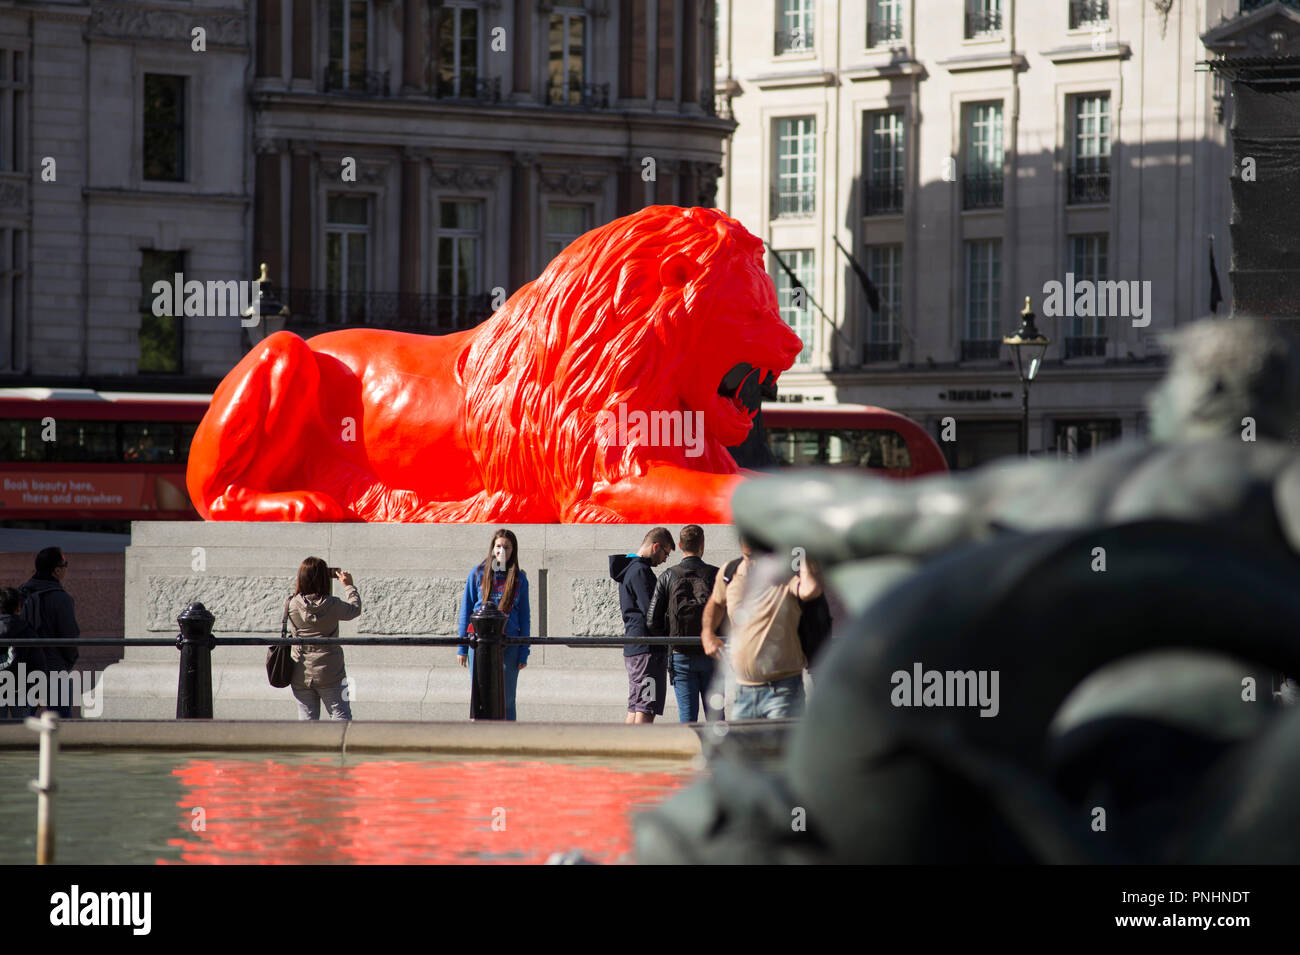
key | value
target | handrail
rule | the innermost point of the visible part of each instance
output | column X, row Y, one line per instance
column 350, row 641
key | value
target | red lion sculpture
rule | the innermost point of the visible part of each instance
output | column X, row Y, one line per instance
column 538, row 415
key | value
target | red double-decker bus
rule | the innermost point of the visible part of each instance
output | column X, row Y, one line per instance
column 861, row 437
column 77, row 459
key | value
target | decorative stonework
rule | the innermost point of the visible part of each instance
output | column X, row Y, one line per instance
column 129, row 21
column 464, row 178
column 573, row 182
column 707, row 173
column 596, row 610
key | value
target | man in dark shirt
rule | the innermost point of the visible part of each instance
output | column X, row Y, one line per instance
column 647, row 666
column 692, row 581
column 55, row 612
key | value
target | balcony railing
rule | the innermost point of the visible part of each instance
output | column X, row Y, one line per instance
column 796, row 41
column 881, row 351
column 582, row 95
column 884, row 31
column 982, row 190
column 983, row 23
column 884, row 197
column 359, row 83
column 1085, row 347
column 480, row 90
column 793, row 202
column 1090, row 184
column 1085, row 13
column 980, row 349
column 1248, row 5
column 316, row 310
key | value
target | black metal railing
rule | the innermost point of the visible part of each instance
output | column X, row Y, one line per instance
column 1090, row 185
column 794, row 41
column 983, row 23
column 481, row 90
column 980, row 349
column 982, row 190
column 881, row 351
column 884, row 31
column 316, row 310
column 794, row 202
column 1087, row 12
column 581, row 95
column 359, row 83
column 1088, row 347
column 883, row 197
column 1249, row 5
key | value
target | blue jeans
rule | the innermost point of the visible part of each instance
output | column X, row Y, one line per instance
column 335, row 699
column 770, row 701
column 692, row 674
column 512, row 675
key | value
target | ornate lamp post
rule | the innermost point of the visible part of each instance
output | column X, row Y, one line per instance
column 268, row 313
column 1027, row 348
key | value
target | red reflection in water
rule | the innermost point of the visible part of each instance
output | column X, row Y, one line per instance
column 410, row 812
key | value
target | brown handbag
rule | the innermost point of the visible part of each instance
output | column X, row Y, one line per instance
column 279, row 659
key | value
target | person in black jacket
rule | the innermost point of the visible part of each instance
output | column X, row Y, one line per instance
column 18, row 661
column 647, row 667
column 55, row 611
column 677, row 610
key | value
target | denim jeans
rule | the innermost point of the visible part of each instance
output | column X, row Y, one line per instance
column 512, row 675
column 770, row 701
column 692, row 675
column 335, row 699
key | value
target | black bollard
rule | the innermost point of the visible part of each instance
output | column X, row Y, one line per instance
column 487, row 695
column 195, row 642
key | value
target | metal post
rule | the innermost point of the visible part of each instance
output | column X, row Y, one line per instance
column 48, row 726
column 1024, row 415
column 487, row 696
column 194, row 685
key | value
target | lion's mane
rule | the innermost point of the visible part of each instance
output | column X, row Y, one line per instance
column 599, row 327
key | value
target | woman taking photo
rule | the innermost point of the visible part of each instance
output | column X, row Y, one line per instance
column 318, row 674
column 499, row 578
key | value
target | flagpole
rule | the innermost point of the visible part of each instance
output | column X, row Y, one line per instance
column 799, row 285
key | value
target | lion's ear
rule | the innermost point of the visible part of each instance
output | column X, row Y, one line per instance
column 677, row 270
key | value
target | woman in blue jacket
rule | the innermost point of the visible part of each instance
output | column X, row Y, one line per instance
column 501, row 578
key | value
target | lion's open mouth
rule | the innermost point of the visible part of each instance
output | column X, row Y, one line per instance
column 746, row 386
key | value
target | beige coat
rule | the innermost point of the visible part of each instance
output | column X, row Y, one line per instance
column 314, row 616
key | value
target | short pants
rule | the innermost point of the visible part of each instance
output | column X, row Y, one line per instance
column 647, row 681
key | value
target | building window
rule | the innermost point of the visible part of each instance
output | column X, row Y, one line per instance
column 1090, row 162
column 568, row 58
column 983, row 18
column 164, row 127
column 885, row 264
column 457, row 31
column 161, row 345
column 982, row 187
column 13, row 110
column 981, row 441
column 1088, row 263
column 1086, row 13
column 884, row 162
column 347, row 259
column 794, row 26
column 983, row 299
column 793, row 302
column 13, row 268
column 460, row 260
column 884, row 22
column 796, row 167
column 349, row 34
column 565, row 221
column 1076, row 439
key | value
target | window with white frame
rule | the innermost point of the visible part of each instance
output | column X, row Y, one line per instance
column 349, row 34
column 884, row 186
column 13, row 109
column 983, row 18
column 793, row 302
column 1088, row 259
column 982, row 187
column 459, row 248
column 794, row 26
column 567, row 63
column 347, row 258
column 1090, row 159
column 983, row 294
column 885, row 265
column 795, row 193
column 456, row 29
column 565, row 221
column 884, row 22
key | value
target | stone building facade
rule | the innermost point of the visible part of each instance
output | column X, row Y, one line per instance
column 967, row 153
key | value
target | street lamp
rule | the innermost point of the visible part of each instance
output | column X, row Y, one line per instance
column 1027, row 348
column 269, row 314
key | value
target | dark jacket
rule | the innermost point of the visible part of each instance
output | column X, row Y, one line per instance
column 58, row 618
column 658, row 615
column 636, row 584
column 13, row 626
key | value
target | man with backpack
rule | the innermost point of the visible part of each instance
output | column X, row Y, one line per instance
column 51, row 612
column 677, row 610
column 766, row 645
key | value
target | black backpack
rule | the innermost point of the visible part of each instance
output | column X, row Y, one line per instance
column 688, row 592
column 31, row 612
column 814, row 619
